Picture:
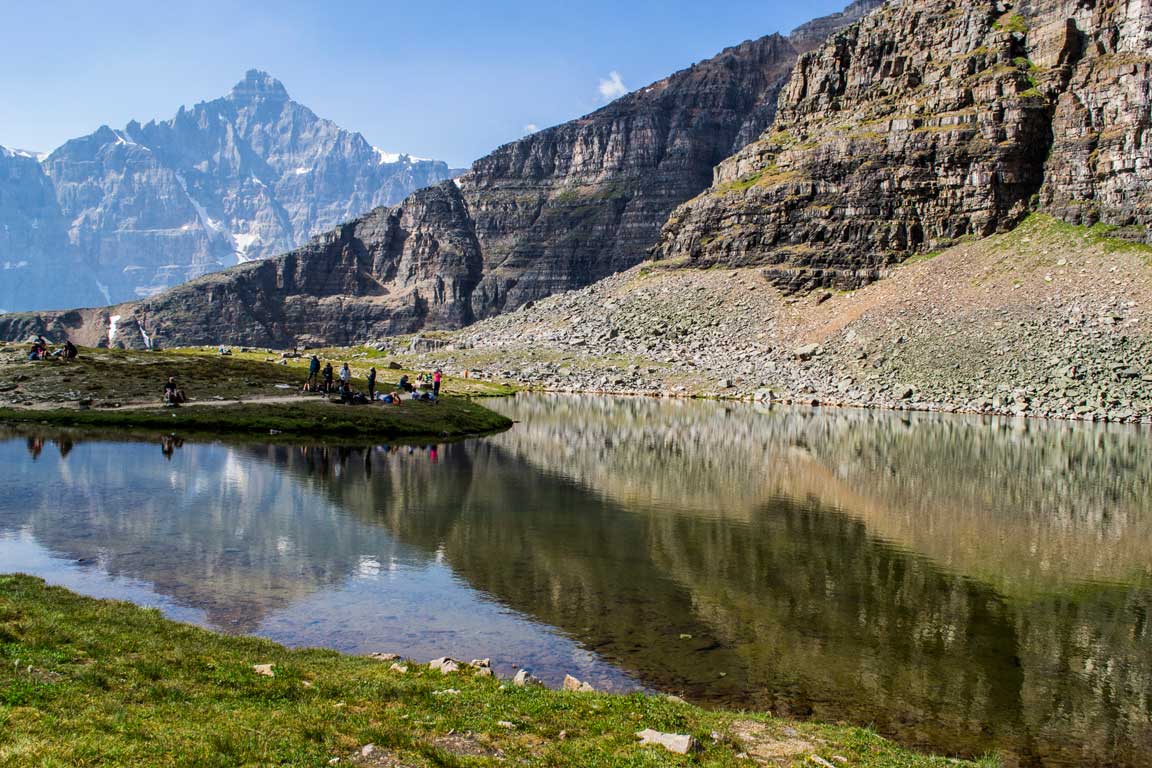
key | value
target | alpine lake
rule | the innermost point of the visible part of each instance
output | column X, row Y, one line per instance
column 963, row 585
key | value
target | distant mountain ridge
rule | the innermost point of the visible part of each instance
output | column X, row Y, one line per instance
column 143, row 208
column 556, row 210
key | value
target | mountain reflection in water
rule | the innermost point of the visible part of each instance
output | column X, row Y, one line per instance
column 963, row 585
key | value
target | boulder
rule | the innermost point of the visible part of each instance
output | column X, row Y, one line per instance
column 680, row 743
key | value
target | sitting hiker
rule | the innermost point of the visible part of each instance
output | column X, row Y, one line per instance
column 406, row 385
column 173, row 395
column 70, row 351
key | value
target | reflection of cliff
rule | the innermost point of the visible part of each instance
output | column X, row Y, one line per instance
column 1027, row 507
column 725, row 552
column 210, row 529
column 800, row 607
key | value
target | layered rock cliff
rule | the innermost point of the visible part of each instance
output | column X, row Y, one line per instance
column 556, row 210
column 931, row 122
column 243, row 177
column 32, row 233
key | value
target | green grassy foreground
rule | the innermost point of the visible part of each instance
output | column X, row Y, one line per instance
column 86, row 682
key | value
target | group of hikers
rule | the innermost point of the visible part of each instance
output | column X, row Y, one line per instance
column 323, row 379
column 39, row 350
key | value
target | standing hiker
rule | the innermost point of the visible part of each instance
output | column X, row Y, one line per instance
column 371, row 383
column 436, row 383
column 313, row 374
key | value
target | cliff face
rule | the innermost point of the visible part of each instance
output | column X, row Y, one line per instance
column 239, row 178
column 31, row 233
column 383, row 273
column 556, row 210
column 930, row 122
column 575, row 203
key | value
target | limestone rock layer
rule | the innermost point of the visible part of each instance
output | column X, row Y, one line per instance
column 929, row 122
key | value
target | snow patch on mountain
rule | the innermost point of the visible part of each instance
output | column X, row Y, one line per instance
column 244, row 242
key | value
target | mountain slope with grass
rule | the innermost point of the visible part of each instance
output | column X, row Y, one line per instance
column 1050, row 319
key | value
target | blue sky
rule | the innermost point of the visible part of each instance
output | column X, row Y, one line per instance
column 437, row 78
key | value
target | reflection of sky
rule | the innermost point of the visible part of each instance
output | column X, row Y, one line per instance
column 425, row 612
column 218, row 538
column 19, row 553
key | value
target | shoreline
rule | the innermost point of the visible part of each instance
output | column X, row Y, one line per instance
column 253, row 393
column 450, row 418
column 88, row 664
column 814, row 401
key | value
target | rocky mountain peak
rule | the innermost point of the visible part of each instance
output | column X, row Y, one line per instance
column 258, row 85
column 139, row 209
column 814, row 33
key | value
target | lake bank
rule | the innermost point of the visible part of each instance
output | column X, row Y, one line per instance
column 228, row 394
column 120, row 684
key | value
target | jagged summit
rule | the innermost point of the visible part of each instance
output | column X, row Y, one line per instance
column 258, row 85
column 242, row 177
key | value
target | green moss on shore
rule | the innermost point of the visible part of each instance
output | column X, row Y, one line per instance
column 91, row 682
column 242, row 393
column 450, row 417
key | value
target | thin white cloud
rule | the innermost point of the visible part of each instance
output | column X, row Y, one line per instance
column 531, row 128
column 613, row 87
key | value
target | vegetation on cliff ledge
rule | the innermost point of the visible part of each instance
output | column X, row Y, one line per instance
column 91, row 682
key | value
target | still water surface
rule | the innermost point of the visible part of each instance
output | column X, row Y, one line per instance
column 963, row 585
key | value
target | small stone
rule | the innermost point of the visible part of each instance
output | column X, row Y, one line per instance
column 445, row 665
column 680, row 743
column 524, row 679
column 401, row 668
column 806, row 352
column 384, row 656
column 820, row 761
column 367, row 750
column 572, row 684
column 264, row 669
